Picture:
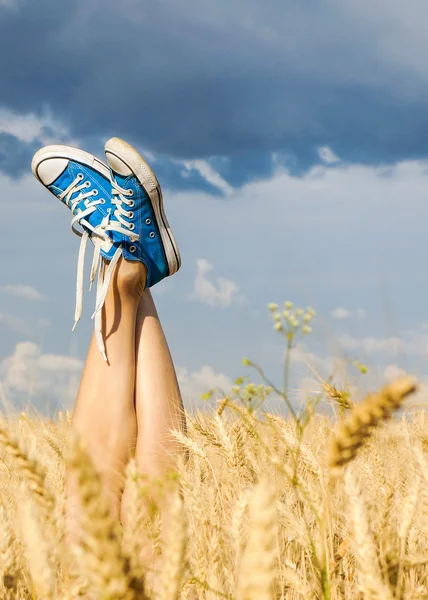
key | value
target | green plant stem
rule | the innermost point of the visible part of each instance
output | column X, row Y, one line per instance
column 276, row 390
column 287, row 364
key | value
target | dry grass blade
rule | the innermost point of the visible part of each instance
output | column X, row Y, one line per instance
column 375, row 408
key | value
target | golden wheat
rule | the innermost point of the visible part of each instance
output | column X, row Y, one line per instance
column 174, row 551
column 255, row 517
column 102, row 558
column 257, row 568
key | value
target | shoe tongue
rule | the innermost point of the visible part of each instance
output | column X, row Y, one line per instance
column 117, row 165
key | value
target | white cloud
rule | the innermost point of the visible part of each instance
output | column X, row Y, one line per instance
column 29, row 376
column 223, row 292
column 332, row 229
column 24, row 291
column 344, row 313
column 209, row 174
column 195, row 383
column 371, row 344
column 29, row 127
column 413, row 344
column 327, row 155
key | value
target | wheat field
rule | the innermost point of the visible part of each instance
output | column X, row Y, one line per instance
column 263, row 508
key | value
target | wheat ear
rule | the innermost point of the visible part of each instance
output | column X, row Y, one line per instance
column 30, row 471
column 357, row 427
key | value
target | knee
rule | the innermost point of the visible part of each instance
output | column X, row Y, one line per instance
column 130, row 278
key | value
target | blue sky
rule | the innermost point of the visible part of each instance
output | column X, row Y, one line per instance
column 291, row 141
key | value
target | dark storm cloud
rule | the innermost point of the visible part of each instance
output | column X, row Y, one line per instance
column 15, row 156
column 243, row 79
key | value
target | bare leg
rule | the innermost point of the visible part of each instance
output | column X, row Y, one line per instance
column 159, row 406
column 105, row 413
column 158, row 402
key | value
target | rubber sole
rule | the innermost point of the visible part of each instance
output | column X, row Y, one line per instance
column 148, row 180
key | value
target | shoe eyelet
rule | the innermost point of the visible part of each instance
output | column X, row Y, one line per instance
column 132, row 226
column 148, row 221
column 131, row 204
column 131, row 215
column 152, row 234
column 102, row 201
column 87, row 184
column 95, row 192
column 130, row 193
column 80, row 176
column 132, row 248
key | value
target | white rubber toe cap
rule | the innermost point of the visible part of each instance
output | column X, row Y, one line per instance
column 117, row 165
column 49, row 169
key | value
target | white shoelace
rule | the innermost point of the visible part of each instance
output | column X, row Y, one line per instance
column 99, row 237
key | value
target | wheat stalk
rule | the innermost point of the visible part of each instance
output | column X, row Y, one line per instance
column 8, row 557
column 257, row 569
column 133, row 534
column 365, row 550
column 37, row 549
column 174, row 551
column 237, row 526
column 295, row 444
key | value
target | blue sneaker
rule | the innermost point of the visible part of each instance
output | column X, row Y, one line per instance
column 81, row 182
column 100, row 198
column 138, row 224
